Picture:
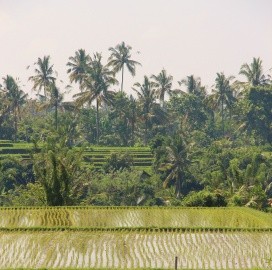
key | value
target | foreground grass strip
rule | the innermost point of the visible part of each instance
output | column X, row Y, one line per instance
column 135, row 229
column 143, row 250
column 114, row 269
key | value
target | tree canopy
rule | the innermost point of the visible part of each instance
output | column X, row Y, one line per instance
column 208, row 146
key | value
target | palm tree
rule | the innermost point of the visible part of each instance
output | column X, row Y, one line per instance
column 147, row 96
column 16, row 97
column 254, row 73
column 56, row 168
column 44, row 76
column 78, row 66
column 163, row 84
column 96, row 84
column 132, row 117
column 223, row 94
column 120, row 116
column 119, row 58
column 54, row 102
column 4, row 105
column 176, row 164
column 193, row 85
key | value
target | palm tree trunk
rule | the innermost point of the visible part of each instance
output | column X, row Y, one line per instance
column 162, row 100
column 56, row 116
column 132, row 133
column 145, row 133
column 222, row 117
column 178, row 185
column 15, row 124
column 122, row 78
column 97, row 122
column 126, row 133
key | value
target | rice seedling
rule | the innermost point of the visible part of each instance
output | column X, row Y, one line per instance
column 134, row 238
column 132, row 217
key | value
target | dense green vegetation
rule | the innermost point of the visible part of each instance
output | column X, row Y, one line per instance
column 192, row 146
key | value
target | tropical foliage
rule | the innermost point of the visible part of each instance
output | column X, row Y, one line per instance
column 120, row 58
column 206, row 146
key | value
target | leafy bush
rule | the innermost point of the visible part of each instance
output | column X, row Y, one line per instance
column 121, row 188
column 205, row 198
column 118, row 161
column 30, row 195
column 13, row 172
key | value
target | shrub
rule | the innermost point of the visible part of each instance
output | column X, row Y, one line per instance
column 205, row 198
column 118, row 162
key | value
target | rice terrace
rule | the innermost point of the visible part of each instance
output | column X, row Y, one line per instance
column 134, row 238
column 135, row 135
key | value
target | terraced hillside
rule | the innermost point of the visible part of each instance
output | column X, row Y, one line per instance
column 20, row 150
column 142, row 157
column 135, row 238
column 97, row 156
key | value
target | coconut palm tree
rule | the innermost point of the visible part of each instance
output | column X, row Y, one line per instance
column 4, row 105
column 163, row 84
column 176, row 164
column 15, row 97
column 146, row 93
column 56, row 168
column 55, row 99
column 95, row 86
column 132, row 117
column 121, row 57
column 43, row 77
column 254, row 73
column 223, row 95
column 78, row 66
column 193, row 85
column 54, row 102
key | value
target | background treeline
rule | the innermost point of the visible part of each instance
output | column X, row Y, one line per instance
column 211, row 146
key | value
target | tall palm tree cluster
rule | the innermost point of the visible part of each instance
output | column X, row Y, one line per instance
column 107, row 116
column 12, row 98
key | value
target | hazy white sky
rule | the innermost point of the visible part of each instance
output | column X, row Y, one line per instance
column 185, row 37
